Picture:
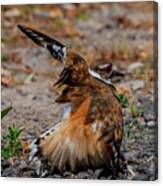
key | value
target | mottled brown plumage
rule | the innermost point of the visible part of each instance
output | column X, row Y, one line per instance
column 91, row 135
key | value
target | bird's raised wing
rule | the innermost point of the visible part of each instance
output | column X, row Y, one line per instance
column 56, row 49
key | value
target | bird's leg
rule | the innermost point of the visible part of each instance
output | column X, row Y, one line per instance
column 120, row 156
column 117, row 148
column 110, row 158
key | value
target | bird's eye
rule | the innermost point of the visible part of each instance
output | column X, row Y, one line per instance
column 105, row 67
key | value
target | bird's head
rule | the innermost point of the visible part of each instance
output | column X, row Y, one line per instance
column 105, row 71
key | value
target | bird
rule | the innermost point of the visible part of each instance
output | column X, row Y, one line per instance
column 103, row 69
column 91, row 131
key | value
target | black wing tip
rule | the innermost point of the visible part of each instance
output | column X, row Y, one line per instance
column 45, row 41
column 21, row 27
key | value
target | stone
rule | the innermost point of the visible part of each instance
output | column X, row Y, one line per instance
column 68, row 6
column 12, row 13
column 98, row 172
column 151, row 124
column 131, row 170
column 90, row 171
column 42, row 14
column 134, row 66
column 137, row 84
column 131, row 156
column 7, row 172
column 67, row 174
column 5, row 164
column 83, row 175
column 141, row 177
column 149, row 108
column 23, row 164
column 57, row 176
column 148, row 116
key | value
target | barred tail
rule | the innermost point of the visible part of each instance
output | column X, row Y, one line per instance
column 69, row 146
column 35, row 145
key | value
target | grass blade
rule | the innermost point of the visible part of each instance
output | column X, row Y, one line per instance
column 5, row 112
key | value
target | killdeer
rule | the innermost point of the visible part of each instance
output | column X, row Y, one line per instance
column 104, row 70
column 91, row 132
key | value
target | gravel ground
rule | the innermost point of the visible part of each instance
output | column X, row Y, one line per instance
column 118, row 32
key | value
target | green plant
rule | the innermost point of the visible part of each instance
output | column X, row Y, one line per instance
column 5, row 112
column 141, row 111
column 59, row 23
column 3, row 57
column 83, row 16
column 123, row 100
column 12, row 144
column 135, row 123
column 128, row 127
column 29, row 78
column 135, row 112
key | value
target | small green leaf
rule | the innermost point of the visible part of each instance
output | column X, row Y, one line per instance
column 127, row 131
column 29, row 78
column 3, row 57
column 60, row 23
column 134, row 110
column 83, row 16
column 123, row 100
column 5, row 153
column 5, row 112
column 141, row 111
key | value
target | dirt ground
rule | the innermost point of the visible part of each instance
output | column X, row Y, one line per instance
column 123, row 33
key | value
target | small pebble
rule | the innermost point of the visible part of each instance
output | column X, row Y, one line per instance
column 134, row 66
column 57, row 176
column 67, row 174
column 137, row 84
column 90, row 171
column 12, row 13
column 98, row 172
column 83, row 175
column 151, row 124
